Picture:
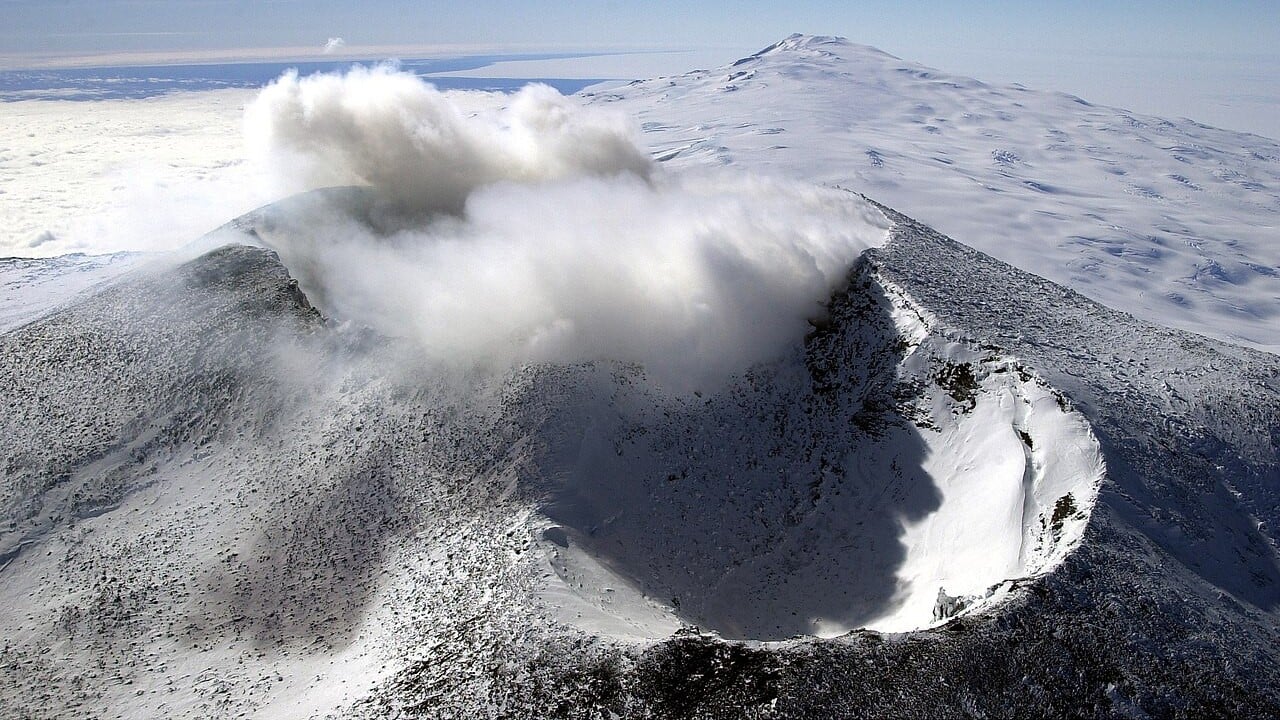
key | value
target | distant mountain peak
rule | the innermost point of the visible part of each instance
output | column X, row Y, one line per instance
column 800, row 41
column 805, row 43
column 816, row 46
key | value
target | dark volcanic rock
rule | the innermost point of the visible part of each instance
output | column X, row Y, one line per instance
column 205, row 486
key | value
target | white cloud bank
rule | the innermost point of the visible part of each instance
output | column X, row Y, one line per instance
column 541, row 230
column 110, row 175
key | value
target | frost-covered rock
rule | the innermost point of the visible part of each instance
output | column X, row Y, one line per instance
column 279, row 523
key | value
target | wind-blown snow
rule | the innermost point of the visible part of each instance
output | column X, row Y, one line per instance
column 1168, row 219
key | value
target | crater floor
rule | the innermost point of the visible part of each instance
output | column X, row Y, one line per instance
column 889, row 476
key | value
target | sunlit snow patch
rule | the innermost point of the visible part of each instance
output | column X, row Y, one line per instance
column 1018, row 473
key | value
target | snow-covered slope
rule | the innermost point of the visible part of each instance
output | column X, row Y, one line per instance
column 969, row 491
column 222, row 505
column 920, row 466
column 1171, row 220
column 30, row 288
column 214, row 532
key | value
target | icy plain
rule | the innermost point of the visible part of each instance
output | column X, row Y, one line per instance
column 1171, row 220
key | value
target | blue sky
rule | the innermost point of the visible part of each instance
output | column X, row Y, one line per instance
column 1139, row 26
column 1214, row 61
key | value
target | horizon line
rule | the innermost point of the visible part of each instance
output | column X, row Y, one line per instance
column 353, row 53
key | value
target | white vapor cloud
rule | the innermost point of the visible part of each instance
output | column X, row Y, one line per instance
column 415, row 145
column 540, row 231
column 333, row 45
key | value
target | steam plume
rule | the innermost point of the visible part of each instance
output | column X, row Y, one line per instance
column 541, row 231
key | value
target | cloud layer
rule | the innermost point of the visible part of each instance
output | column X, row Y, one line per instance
column 113, row 175
column 540, row 231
